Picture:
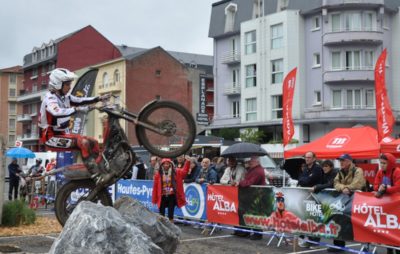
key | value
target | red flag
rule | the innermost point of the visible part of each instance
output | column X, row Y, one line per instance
column 384, row 115
column 288, row 92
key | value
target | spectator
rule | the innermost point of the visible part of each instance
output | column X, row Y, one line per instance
column 51, row 165
column 349, row 179
column 141, row 169
column 311, row 176
column 220, row 167
column 180, row 161
column 168, row 187
column 207, row 173
column 234, row 173
column 255, row 175
column 194, row 171
column 387, row 180
column 51, row 187
column 37, row 169
column 154, row 166
column 13, row 171
column 329, row 175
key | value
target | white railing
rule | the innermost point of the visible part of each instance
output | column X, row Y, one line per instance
column 232, row 89
column 231, row 56
column 352, row 68
column 24, row 117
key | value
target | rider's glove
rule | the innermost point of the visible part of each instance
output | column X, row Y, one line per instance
column 83, row 109
column 105, row 97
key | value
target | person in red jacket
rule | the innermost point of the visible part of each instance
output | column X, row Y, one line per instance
column 168, row 189
column 387, row 180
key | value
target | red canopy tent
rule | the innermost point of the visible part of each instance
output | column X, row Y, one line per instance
column 391, row 146
column 359, row 142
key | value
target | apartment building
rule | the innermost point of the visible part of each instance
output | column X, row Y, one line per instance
column 334, row 44
column 10, row 83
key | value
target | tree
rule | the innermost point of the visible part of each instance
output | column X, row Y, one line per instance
column 252, row 136
column 228, row 133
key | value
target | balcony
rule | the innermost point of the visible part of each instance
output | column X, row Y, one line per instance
column 232, row 89
column 225, row 120
column 24, row 118
column 328, row 3
column 28, row 137
column 25, row 96
column 231, row 57
column 344, row 114
column 345, row 36
column 361, row 73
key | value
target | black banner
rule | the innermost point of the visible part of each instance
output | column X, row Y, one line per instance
column 83, row 88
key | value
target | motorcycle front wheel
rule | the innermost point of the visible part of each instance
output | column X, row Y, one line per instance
column 175, row 127
column 74, row 192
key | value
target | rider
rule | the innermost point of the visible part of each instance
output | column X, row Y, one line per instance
column 37, row 169
column 57, row 107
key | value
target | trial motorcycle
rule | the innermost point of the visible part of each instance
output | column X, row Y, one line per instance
column 159, row 124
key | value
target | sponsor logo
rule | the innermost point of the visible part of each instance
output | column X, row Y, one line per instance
column 338, row 141
column 194, row 207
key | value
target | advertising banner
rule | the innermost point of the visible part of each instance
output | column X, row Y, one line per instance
column 288, row 93
column 196, row 202
column 140, row 190
column 296, row 211
column 222, row 204
column 376, row 220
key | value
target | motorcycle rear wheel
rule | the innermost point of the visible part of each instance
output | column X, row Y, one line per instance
column 67, row 198
column 175, row 121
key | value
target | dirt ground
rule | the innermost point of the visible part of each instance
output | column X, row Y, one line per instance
column 43, row 226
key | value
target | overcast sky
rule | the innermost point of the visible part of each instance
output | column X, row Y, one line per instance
column 177, row 25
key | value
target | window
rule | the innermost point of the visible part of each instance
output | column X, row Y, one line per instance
column 369, row 98
column 251, row 75
column 353, row 60
column 335, row 22
column 336, row 99
column 369, row 59
column 353, row 21
column 368, row 19
column 317, row 60
column 12, row 109
column 277, row 36
column 12, row 92
column 353, row 98
column 34, row 73
column 11, row 139
column 277, row 106
column 33, row 108
column 336, row 63
column 43, row 70
column 316, row 25
column 235, row 78
column 13, row 78
column 52, row 66
column 230, row 12
column 277, row 71
column 251, row 109
column 235, row 109
column 34, row 87
column 11, row 124
column 105, row 80
column 250, row 42
column 117, row 76
column 317, row 96
column 257, row 9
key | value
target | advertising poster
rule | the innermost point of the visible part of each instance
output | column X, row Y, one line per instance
column 376, row 220
column 196, row 202
column 222, row 204
column 140, row 190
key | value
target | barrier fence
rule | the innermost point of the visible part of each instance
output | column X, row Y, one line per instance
column 328, row 214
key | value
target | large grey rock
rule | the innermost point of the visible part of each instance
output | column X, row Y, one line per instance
column 94, row 228
column 163, row 233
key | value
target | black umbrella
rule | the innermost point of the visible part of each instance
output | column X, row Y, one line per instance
column 243, row 150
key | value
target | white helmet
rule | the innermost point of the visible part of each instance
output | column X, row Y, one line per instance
column 60, row 75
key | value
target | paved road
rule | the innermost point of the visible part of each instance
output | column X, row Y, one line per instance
column 192, row 242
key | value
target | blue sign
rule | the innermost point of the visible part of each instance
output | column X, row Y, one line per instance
column 195, row 207
column 140, row 190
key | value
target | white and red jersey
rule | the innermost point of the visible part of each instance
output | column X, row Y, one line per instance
column 56, row 110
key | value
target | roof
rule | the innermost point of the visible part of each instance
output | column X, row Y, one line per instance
column 185, row 58
column 359, row 142
column 245, row 12
column 13, row 69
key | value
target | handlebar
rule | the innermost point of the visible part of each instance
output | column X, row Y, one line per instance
column 113, row 110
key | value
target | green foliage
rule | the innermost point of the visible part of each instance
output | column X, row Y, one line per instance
column 252, row 136
column 228, row 133
column 16, row 213
column 327, row 212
